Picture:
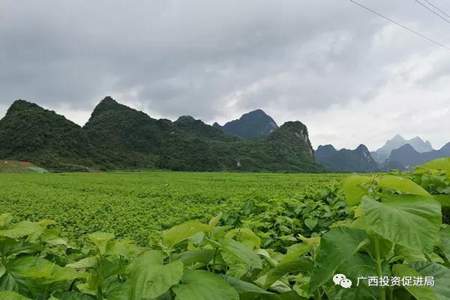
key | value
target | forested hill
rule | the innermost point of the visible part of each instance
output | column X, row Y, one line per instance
column 251, row 125
column 119, row 137
column 345, row 160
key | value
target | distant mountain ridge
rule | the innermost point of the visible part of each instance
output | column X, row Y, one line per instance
column 403, row 154
column 407, row 157
column 119, row 137
column 345, row 160
column 383, row 153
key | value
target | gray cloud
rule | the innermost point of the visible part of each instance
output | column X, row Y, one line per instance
column 327, row 62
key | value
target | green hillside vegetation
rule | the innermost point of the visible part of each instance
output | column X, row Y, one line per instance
column 251, row 125
column 197, row 128
column 119, row 137
column 345, row 160
column 126, row 138
column 31, row 133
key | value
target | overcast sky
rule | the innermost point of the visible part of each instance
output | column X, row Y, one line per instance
column 350, row 76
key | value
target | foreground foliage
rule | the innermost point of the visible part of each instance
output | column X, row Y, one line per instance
column 385, row 225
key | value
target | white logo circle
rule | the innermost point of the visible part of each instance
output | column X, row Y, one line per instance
column 342, row 280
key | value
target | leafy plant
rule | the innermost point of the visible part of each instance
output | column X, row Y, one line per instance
column 434, row 176
column 284, row 248
column 286, row 222
column 397, row 225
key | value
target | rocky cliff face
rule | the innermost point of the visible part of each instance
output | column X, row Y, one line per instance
column 294, row 135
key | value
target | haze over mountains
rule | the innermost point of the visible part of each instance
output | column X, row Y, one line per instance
column 383, row 153
column 119, row 137
column 396, row 153
column 407, row 156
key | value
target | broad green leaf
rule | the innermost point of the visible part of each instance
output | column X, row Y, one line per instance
column 51, row 237
column 23, row 229
column 311, row 223
column 294, row 252
column 337, row 247
column 300, row 264
column 197, row 238
column 41, row 270
column 409, row 255
column 440, row 274
column 202, row 285
column 150, row 278
column 202, row 256
column 380, row 246
column 419, row 292
column 239, row 257
column 281, row 287
column 123, row 248
column 408, row 220
column 401, row 185
column 244, row 287
column 245, row 236
column 117, row 290
column 360, row 263
column 84, row 263
column 354, row 188
column 8, row 295
column 101, row 240
column 182, row 232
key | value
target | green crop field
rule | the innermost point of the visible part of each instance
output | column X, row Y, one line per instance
column 135, row 204
column 225, row 236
